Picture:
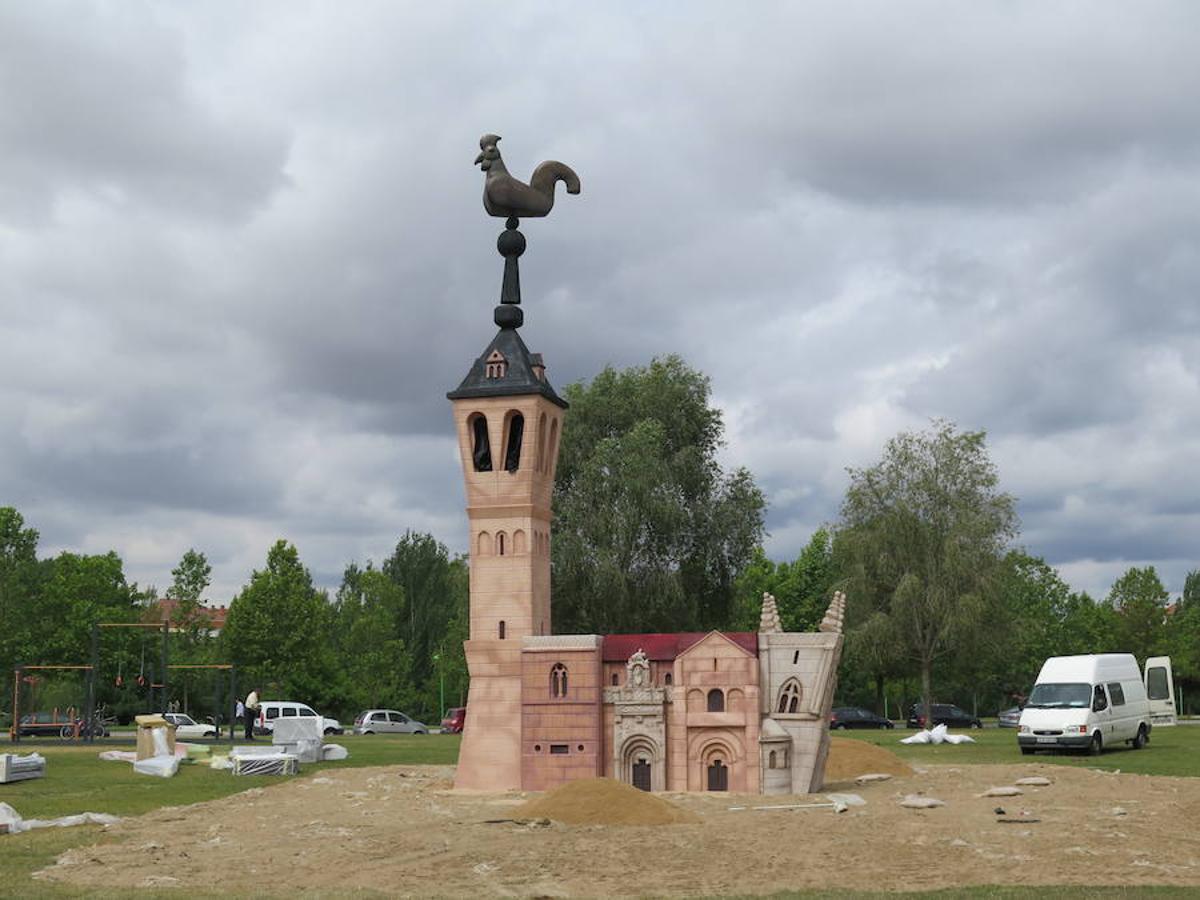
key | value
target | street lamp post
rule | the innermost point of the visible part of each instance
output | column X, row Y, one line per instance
column 437, row 658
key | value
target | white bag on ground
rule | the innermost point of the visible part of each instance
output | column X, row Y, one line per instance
column 162, row 766
column 939, row 735
column 334, row 751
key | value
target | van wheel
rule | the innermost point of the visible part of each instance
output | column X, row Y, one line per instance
column 1096, row 747
column 1140, row 741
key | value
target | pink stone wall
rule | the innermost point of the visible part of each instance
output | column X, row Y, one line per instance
column 571, row 722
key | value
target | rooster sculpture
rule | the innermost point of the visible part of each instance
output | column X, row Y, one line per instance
column 505, row 196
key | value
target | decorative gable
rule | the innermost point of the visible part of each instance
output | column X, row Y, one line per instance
column 496, row 364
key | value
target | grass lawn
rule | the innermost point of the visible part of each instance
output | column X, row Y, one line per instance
column 1172, row 751
column 78, row 781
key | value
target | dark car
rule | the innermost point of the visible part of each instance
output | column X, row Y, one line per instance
column 857, row 717
column 456, row 717
column 943, row 714
column 43, row 724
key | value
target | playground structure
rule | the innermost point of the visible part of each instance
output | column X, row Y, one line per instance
column 93, row 722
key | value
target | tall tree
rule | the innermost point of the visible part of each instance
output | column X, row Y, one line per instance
column 926, row 529
column 277, row 632
column 18, row 586
column 1140, row 601
column 650, row 532
column 420, row 565
column 372, row 654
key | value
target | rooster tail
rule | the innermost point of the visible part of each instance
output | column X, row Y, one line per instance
column 550, row 172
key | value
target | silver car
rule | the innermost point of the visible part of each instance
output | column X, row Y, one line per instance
column 387, row 721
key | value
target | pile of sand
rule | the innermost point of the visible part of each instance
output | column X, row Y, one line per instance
column 849, row 758
column 603, row 801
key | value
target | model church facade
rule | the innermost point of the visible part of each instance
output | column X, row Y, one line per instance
column 744, row 711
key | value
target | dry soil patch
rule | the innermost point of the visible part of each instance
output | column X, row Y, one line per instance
column 400, row 830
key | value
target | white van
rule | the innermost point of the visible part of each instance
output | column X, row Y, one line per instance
column 270, row 710
column 1086, row 702
column 1160, row 690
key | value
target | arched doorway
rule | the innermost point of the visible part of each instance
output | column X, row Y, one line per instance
column 718, row 776
column 641, row 773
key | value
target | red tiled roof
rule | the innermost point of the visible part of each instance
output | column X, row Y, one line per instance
column 166, row 609
column 619, row 647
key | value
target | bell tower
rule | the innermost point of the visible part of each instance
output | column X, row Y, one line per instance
column 509, row 421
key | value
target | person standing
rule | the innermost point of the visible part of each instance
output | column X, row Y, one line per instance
column 239, row 715
column 251, row 713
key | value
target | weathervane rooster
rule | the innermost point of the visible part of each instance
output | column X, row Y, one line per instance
column 506, row 197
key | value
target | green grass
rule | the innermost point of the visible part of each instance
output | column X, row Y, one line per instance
column 1172, row 751
column 77, row 780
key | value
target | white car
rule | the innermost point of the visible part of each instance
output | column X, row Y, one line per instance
column 270, row 710
column 187, row 728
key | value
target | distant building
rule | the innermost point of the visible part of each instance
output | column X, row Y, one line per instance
column 167, row 610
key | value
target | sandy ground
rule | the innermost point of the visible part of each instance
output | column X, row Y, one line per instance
column 402, row 831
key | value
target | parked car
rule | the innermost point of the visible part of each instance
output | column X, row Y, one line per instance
column 857, row 717
column 387, row 721
column 187, row 728
column 456, row 718
column 943, row 714
column 41, row 724
column 270, row 710
column 1009, row 718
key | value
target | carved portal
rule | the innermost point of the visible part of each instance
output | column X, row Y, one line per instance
column 639, row 727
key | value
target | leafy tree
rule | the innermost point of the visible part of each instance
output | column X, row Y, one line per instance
column 420, row 566
column 376, row 664
column 277, row 632
column 18, row 587
column 1140, row 600
column 925, row 530
column 650, row 532
column 801, row 588
column 191, row 638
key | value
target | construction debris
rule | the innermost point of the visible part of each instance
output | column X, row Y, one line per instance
column 21, row 768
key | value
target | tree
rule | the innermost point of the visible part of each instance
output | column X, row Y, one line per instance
column 1140, row 600
column 277, row 632
column 421, row 567
column 925, row 531
column 191, row 623
column 650, row 532
column 376, row 664
column 18, row 586
column 802, row 588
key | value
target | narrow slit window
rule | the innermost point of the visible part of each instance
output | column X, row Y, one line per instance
column 481, row 447
column 501, row 629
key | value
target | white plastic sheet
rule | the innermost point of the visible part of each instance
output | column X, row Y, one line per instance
column 15, row 824
column 162, row 766
column 159, row 737
column 118, row 755
column 273, row 764
column 334, row 751
column 939, row 735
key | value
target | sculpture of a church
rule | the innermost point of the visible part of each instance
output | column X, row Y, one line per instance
column 726, row 711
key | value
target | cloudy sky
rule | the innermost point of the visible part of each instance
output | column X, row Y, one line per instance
column 243, row 256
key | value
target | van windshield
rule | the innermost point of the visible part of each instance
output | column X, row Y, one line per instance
column 1054, row 696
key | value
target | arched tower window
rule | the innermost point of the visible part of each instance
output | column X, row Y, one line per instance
column 558, row 680
column 667, row 679
column 516, row 434
column 485, row 544
column 500, row 630
column 789, row 697
column 500, row 543
column 481, row 446
column 541, row 450
column 716, row 700
column 552, row 445
column 771, row 760
column 518, row 542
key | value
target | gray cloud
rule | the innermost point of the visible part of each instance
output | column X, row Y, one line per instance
column 242, row 257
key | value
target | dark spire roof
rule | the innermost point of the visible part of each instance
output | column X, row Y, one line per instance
column 518, row 378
